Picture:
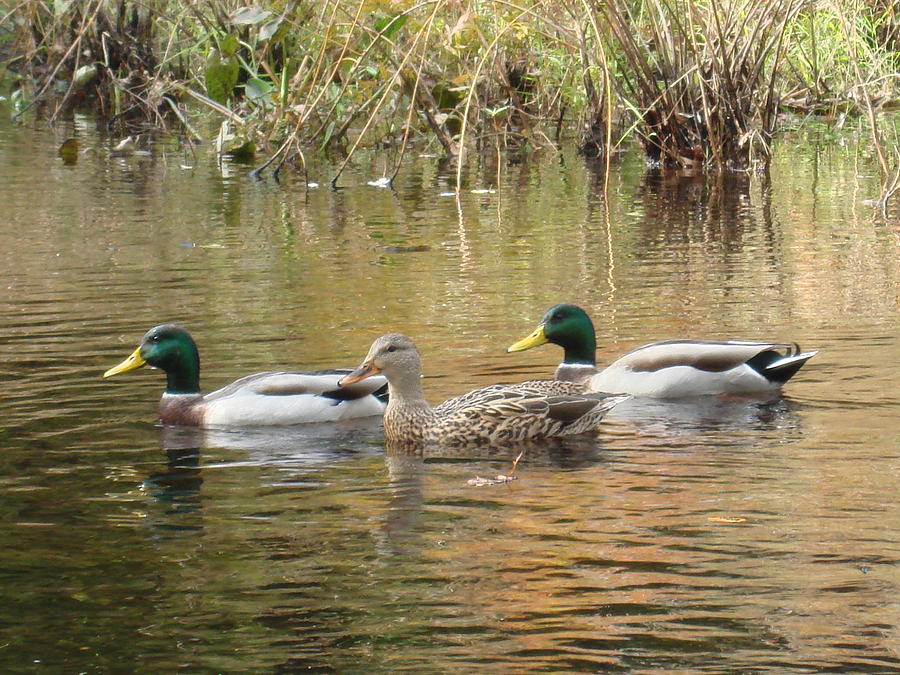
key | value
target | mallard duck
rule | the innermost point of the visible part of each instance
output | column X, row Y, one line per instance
column 670, row 369
column 263, row 399
column 495, row 414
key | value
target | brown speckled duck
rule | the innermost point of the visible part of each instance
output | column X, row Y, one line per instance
column 496, row 414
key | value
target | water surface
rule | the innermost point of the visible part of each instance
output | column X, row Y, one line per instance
column 717, row 535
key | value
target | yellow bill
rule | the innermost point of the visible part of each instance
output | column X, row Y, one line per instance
column 535, row 339
column 133, row 362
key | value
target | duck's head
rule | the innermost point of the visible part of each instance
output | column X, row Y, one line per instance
column 568, row 326
column 171, row 349
column 394, row 355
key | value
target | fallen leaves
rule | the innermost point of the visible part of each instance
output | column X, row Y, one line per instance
column 478, row 481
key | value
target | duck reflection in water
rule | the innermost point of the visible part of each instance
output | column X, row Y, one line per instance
column 408, row 465
column 178, row 486
column 709, row 413
column 290, row 450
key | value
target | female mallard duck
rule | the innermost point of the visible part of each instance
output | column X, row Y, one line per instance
column 670, row 369
column 263, row 399
column 495, row 414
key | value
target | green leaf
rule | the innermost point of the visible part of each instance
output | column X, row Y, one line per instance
column 229, row 44
column 250, row 16
column 388, row 26
column 257, row 88
column 270, row 29
column 221, row 75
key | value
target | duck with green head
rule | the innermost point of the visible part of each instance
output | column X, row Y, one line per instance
column 670, row 369
column 262, row 399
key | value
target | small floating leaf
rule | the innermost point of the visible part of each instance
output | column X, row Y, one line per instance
column 69, row 151
column 478, row 481
column 728, row 520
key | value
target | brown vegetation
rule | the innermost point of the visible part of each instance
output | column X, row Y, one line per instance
column 701, row 84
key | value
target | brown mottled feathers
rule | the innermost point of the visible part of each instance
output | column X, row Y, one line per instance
column 508, row 413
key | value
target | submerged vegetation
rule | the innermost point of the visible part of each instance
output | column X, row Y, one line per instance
column 700, row 83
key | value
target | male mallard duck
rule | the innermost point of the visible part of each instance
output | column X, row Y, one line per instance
column 495, row 414
column 670, row 369
column 263, row 399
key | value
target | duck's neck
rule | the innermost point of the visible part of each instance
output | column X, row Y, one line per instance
column 408, row 413
column 580, row 347
column 183, row 377
column 406, row 392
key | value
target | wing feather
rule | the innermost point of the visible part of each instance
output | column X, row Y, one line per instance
column 702, row 355
column 280, row 383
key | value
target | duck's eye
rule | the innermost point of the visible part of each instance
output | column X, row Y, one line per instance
column 153, row 338
column 392, row 348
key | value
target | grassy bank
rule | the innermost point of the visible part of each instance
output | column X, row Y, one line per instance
column 700, row 84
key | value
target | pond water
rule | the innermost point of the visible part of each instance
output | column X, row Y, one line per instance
column 715, row 535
